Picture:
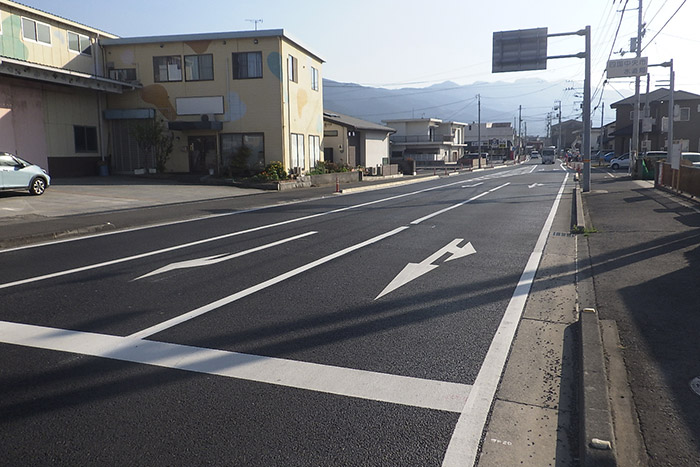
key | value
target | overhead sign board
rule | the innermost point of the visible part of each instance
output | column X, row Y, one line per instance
column 519, row 50
column 627, row 67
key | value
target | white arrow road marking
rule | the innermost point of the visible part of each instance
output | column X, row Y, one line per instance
column 209, row 260
column 472, row 186
column 415, row 270
column 535, row 184
column 261, row 286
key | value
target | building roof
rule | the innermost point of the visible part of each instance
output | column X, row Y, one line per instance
column 56, row 18
column 209, row 36
column 658, row 95
column 356, row 123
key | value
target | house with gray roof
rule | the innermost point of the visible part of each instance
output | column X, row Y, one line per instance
column 355, row 142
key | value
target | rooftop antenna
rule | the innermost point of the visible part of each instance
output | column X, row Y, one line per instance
column 256, row 21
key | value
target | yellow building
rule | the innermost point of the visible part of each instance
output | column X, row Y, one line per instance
column 233, row 101
column 52, row 90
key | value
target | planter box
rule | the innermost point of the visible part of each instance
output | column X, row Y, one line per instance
column 330, row 179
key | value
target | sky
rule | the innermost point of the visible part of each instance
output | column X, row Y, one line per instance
column 418, row 43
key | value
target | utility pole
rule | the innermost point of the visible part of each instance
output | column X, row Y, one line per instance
column 558, row 109
column 587, row 113
column 520, row 131
column 478, row 128
column 637, row 98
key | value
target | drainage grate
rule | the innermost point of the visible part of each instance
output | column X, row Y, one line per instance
column 562, row 234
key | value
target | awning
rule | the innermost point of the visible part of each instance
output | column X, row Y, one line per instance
column 198, row 125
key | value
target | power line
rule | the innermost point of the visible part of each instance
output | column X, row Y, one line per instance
column 665, row 24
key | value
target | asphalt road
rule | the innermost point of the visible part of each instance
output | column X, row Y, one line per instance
column 349, row 330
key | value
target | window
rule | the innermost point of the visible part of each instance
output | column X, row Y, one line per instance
column 330, row 133
column 298, row 152
column 247, row 65
column 199, row 67
column 35, row 31
column 243, row 152
column 314, row 79
column 85, row 138
column 168, row 68
column 79, row 44
column 684, row 115
column 123, row 74
column 314, row 149
column 292, row 69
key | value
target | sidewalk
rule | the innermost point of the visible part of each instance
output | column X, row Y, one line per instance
column 645, row 260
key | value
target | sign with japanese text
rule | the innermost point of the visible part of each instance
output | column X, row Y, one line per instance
column 627, row 67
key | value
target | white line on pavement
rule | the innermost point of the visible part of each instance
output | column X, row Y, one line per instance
column 209, row 260
column 442, row 211
column 415, row 392
column 466, row 437
column 211, row 239
column 263, row 285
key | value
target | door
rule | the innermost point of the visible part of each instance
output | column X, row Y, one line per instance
column 202, row 153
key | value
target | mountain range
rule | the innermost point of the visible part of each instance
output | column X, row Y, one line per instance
column 449, row 101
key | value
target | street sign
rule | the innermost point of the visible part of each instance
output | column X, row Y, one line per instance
column 627, row 67
column 519, row 50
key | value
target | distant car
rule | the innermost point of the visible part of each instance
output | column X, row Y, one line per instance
column 620, row 162
column 18, row 174
column 548, row 155
column 534, row 155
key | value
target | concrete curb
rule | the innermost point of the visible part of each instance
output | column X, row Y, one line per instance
column 596, row 428
column 578, row 220
column 56, row 235
column 381, row 186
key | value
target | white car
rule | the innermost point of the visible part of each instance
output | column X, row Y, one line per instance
column 622, row 162
column 18, row 174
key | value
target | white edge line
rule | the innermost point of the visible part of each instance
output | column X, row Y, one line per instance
column 396, row 389
column 464, row 445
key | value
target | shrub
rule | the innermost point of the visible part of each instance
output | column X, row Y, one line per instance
column 274, row 171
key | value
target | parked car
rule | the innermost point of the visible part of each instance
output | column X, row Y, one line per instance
column 620, row 162
column 18, row 174
column 692, row 157
column 611, row 155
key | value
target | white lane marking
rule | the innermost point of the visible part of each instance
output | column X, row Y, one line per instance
column 415, row 392
column 533, row 169
column 535, row 185
column 209, row 260
column 211, row 239
column 415, row 270
column 263, row 285
column 472, row 186
column 442, row 211
column 466, row 437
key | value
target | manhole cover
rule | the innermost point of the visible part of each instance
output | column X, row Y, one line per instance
column 695, row 385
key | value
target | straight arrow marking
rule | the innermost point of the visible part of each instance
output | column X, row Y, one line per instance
column 209, row 260
column 414, row 270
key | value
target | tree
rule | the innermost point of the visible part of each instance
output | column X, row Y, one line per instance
column 153, row 140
